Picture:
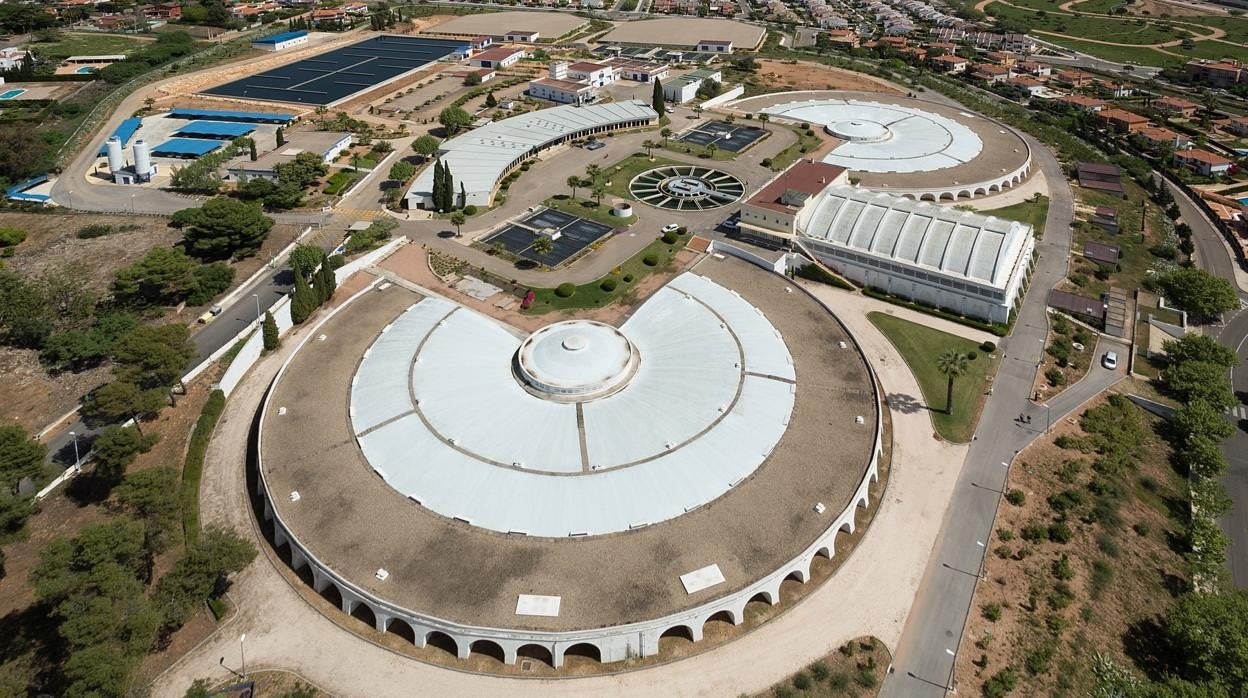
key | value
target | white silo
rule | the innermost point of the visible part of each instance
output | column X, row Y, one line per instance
column 116, row 159
column 142, row 160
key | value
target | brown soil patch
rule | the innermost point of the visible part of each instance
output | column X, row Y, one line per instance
column 774, row 74
column 1158, row 8
column 856, row 668
column 1144, row 570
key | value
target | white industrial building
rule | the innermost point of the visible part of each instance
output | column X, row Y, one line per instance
column 480, row 158
column 281, row 42
column 497, row 57
column 956, row 260
column 325, row 144
column 683, row 88
column 562, row 91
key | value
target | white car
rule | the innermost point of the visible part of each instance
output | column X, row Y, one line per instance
column 1110, row 360
column 670, row 228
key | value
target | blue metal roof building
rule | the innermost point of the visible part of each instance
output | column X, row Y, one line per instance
column 17, row 192
column 279, row 38
column 186, row 147
column 215, row 115
column 125, row 132
column 215, row 129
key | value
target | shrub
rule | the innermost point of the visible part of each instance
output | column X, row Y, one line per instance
column 988, row 347
column 819, row 671
column 1060, row 533
column 865, row 678
column 1001, row 683
column 1037, row 660
column 801, row 681
column 94, row 230
column 670, row 237
column 470, row 210
column 1061, row 596
column 1016, row 497
column 650, row 260
column 1106, row 544
column 1055, row 377
column 565, row 290
column 608, row 285
column 1034, row 533
column 971, row 356
column 1005, row 534
column 814, row 272
column 838, row 681
column 991, row 611
column 628, row 278
column 766, row 162
column 1062, row 569
column 1141, row 529
column 1102, row 575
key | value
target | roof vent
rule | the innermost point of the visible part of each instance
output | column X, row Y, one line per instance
column 820, row 508
column 843, row 345
column 294, row 495
column 859, row 420
column 381, row 574
column 281, row 411
column 320, row 338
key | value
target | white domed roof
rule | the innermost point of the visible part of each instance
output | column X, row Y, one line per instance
column 577, row 359
column 860, row 131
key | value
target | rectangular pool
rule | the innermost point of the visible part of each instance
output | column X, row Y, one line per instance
column 10, row 94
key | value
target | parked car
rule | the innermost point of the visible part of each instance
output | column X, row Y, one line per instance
column 1110, row 360
column 595, row 145
column 670, row 228
column 210, row 314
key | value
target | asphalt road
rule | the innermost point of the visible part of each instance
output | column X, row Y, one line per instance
column 1213, row 256
column 925, row 655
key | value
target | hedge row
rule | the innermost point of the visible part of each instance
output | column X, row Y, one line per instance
column 193, row 470
column 814, row 272
column 994, row 327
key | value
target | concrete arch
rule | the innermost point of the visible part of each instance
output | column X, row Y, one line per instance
column 764, row 596
column 848, row 526
column 910, row 196
column 588, row 650
column 539, row 653
column 927, row 197
column 994, row 188
column 801, row 576
column 946, row 196
column 826, row 551
column 439, row 639
column 980, row 191
column 964, row 194
column 724, row 616
column 685, row 632
column 401, row 628
column 488, row 648
column 364, row 613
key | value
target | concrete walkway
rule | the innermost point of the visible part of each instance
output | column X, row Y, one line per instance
column 857, row 304
column 870, row 594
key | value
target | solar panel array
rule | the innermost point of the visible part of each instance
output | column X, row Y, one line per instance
column 338, row 74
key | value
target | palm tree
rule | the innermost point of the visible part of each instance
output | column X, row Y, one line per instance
column 542, row 245
column 457, row 219
column 698, row 110
column 711, row 148
column 592, row 172
column 321, row 111
column 649, row 146
column 666, row 133
column 730, row 119
column 573, row 183
column 764, row 117
column 952, row 364
column 599, row 191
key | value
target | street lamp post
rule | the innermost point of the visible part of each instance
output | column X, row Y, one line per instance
column 1048, row 418
column 77, row 460
column 242, row 654
column 257, row 297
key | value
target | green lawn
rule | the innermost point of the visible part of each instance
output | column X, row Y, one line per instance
column 920, row 346
column 806, row 142
column 1119, row 54
column 340, row 180
column 1126, row 30
column 587, row 208
column 699, row 151
column 626, row 277
column 617, row 176
column 1033, row 212
column 84, row 45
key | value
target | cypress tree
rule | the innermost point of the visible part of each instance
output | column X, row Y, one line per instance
column 281, row 137
column 463, row 195
column 303, row 302
column 657, row 100
column 269, row 330
column 448, row 189
column 326, row 282
column 437, row 185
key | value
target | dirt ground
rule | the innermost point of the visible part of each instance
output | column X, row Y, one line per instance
column 856, row 668
column 1158, row 8
column 1144, row 571
column 33, row 398
column 814, row 76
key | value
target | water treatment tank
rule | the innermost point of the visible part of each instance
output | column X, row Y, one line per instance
column 116, row 159
column 142, row 159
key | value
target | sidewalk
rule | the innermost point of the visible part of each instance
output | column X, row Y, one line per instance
column 861, row 305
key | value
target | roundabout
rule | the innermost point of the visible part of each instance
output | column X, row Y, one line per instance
column 686, row 188
column 703, row 448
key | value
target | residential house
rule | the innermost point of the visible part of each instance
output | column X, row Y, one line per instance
column 12, row 58
column 843, row 38
column 164, row 10
column 1106, row 218
column 1102, row 254
column 1034, row 68
column 1176, row 106
column 1074, row 79
column 1026, row 85
column 1122, row 121
column 1005, row 58
column 991, row 73
column 638, row 71
column 1155, row 136
column 950, row 63
column 1238, row 125
column 1082, row 103
column 1113, row 90
column 1217, row 73
column 1202, row 162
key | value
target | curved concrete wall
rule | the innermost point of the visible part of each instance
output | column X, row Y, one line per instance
column 612, row 644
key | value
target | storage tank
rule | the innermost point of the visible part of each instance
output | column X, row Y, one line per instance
column 116, row 159
column 142, row 159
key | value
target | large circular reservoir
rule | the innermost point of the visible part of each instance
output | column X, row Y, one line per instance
column 584, row 488
column 906, row 146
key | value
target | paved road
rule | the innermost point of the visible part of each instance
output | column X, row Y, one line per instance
column 924, row 658
column 1213, row 255
column 1083, row 60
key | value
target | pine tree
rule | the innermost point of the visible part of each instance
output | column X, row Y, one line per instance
column 281, row 137
column 269, row 332
column 490, row 100
column 303, row 302
column 657, row 100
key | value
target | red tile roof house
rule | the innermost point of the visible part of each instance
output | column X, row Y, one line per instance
column 1039, row 70
column 1073, row 78
column 1238, row 125
column 1202, row 162
column 991, row 73
column 1176, row 106
column 1082, row 103
column 1158, row 135
column 1026, row 85
column 1122, row 120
